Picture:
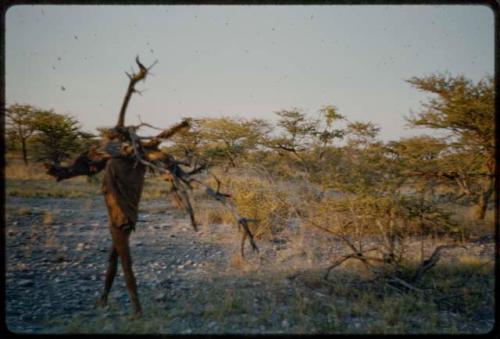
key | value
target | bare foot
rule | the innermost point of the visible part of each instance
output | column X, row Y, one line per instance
column 102, row 302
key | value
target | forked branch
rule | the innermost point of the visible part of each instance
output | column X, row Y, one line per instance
column 134, row 79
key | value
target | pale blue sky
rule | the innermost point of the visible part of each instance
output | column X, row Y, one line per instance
column 244, row 61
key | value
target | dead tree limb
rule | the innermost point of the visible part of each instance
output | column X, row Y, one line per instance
column 338, row 262
column 166, row 134
column 134, row 79
column 184, row 198
column 123, row 142
column 244, row 223
column 224, row 199
column 357, row 255
column 395, row 280
column 87, row 163
column 432, row 261
column 242, row 245
column 181, row 183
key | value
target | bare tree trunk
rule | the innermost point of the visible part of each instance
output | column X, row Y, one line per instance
column 482, row 204
column 25, row 153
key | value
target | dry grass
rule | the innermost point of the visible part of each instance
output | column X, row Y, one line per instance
column 23, row 211
column 17, row 170
column 31, row 181
column 211, row 214
column 457, row 299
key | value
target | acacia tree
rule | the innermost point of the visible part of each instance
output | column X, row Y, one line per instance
column 187, row 143
column 58, row 136
column 374, row 214
column 361, row 134
column 417, row 157
column 362, row 162
column 305, row 141
column 227, row 138
column 465, row 110
column 296, row 131
column 326, row 130
column 20, row 126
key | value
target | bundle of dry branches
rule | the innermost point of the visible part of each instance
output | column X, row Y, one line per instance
column 123, row 142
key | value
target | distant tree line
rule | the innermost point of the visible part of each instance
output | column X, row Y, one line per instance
column 43, row 135
column 326, row 149
column 346, row 156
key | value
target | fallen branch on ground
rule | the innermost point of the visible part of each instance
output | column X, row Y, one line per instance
column 426, row 265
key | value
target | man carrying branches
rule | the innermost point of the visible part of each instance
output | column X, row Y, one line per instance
column 125, row 157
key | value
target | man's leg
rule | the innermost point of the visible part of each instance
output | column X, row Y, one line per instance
column 121, row 243
column 110, row 275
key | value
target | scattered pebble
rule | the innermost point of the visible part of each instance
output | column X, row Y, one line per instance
column 25, row 283
column 160, row 296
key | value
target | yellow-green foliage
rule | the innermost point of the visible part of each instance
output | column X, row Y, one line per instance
column 255, row 198
column 350, row 215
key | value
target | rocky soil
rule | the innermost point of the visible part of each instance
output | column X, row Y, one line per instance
column 55, row 270
column 56, row 256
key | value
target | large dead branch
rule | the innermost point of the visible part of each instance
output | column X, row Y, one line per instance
column 87, row 163
column 168, row 133
column 134, row 79
column 356, row 255
column 181, row 183
column 123, row 142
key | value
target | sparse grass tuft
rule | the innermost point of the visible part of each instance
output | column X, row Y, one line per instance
column 212, row 214
column 24, row 211
column 47, row 218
